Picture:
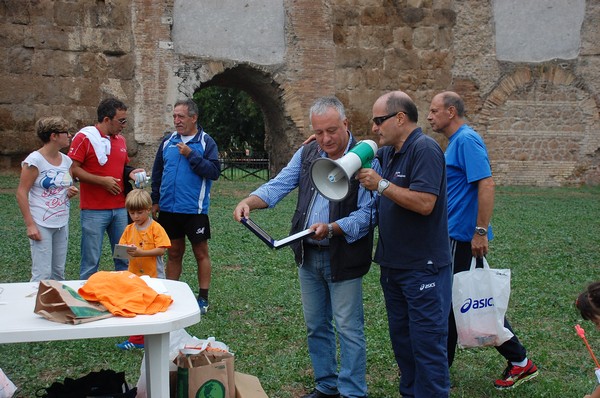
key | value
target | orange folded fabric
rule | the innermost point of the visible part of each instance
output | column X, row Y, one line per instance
column 124, row 294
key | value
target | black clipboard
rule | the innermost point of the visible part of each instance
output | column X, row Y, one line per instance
column 275, row 243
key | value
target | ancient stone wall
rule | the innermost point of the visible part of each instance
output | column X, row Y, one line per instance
column 540, row 120
column 155, row 82
column 539, row 116
column 394, row 46
column 60, row 58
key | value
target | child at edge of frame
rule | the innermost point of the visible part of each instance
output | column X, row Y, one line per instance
column 588, row 304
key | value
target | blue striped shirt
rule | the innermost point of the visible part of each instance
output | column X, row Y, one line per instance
column 355, row 225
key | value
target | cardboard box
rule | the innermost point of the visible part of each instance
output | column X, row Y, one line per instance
column 248, row 386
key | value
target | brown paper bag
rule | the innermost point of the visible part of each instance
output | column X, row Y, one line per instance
column 248, row 386
column 58, row 302
column 210, row 374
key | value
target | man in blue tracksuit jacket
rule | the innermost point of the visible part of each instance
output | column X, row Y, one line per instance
column 186, row 164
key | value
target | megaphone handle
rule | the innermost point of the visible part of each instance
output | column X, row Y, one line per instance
column 365, row 150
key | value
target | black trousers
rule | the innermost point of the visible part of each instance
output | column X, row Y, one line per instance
column 511, row 349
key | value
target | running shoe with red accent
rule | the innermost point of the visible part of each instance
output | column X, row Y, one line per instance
column 515, row 375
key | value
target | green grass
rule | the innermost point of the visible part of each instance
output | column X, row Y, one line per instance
column 549, row 238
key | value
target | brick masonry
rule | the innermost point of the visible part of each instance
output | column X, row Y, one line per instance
column 540, row 120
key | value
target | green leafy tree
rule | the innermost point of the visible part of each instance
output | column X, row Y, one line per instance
column 232, row 118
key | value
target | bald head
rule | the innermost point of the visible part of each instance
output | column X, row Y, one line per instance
column 450, row 98
column 399, row 101
column 446, row 113
column 395, row 117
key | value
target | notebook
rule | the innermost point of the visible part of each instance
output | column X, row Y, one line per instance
column 274, row 243
column 121, row 252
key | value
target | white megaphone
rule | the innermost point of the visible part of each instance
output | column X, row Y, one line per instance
column 332, row 177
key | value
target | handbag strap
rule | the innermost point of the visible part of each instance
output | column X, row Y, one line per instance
column 474, row 263
column 485, row 264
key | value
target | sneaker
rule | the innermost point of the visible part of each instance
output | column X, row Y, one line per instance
column 318, row 394
column 515, row 375
column 203, row 304
column 128, row 345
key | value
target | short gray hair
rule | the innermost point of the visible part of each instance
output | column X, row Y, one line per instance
column 191, row 106
column 322, row 104
column 453, row 99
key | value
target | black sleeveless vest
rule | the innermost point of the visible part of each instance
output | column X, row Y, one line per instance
column 348, row 260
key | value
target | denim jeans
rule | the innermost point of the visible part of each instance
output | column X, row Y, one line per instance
column 48, row 255
column 93, row 225
column 322, row 302
column 417, row 304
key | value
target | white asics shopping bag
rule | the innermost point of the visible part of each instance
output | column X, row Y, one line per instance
column 479, row 300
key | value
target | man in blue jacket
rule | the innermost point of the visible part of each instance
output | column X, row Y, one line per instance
column 186, row 164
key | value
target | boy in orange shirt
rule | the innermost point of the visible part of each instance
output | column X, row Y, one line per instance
column 148, row 242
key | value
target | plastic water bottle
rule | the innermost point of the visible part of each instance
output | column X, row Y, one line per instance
column 141, row 179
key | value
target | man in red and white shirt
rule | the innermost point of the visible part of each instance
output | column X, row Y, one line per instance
column 99, row 155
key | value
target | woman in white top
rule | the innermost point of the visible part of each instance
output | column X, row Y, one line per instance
column 43, row 196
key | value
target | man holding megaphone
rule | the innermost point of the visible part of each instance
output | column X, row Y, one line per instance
column 413, row 248
column 333, row 261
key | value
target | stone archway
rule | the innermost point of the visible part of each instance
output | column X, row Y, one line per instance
column 265, row 92
column 541, row 128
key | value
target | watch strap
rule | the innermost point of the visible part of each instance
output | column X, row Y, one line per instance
column 382, row 186
column 481, row 231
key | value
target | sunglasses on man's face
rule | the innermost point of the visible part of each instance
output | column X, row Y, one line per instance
column 378, row 120
column 122, row 121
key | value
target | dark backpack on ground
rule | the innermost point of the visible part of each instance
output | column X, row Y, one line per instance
column 102, row 384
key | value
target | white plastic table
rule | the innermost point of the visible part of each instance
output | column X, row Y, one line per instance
column 21, row 325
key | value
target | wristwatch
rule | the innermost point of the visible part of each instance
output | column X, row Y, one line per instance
column 330, row 231
column 382, row 186
column 481, row 231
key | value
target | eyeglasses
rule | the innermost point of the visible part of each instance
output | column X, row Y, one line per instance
column 122, row 121
column 61, row 132
column 380, row 119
